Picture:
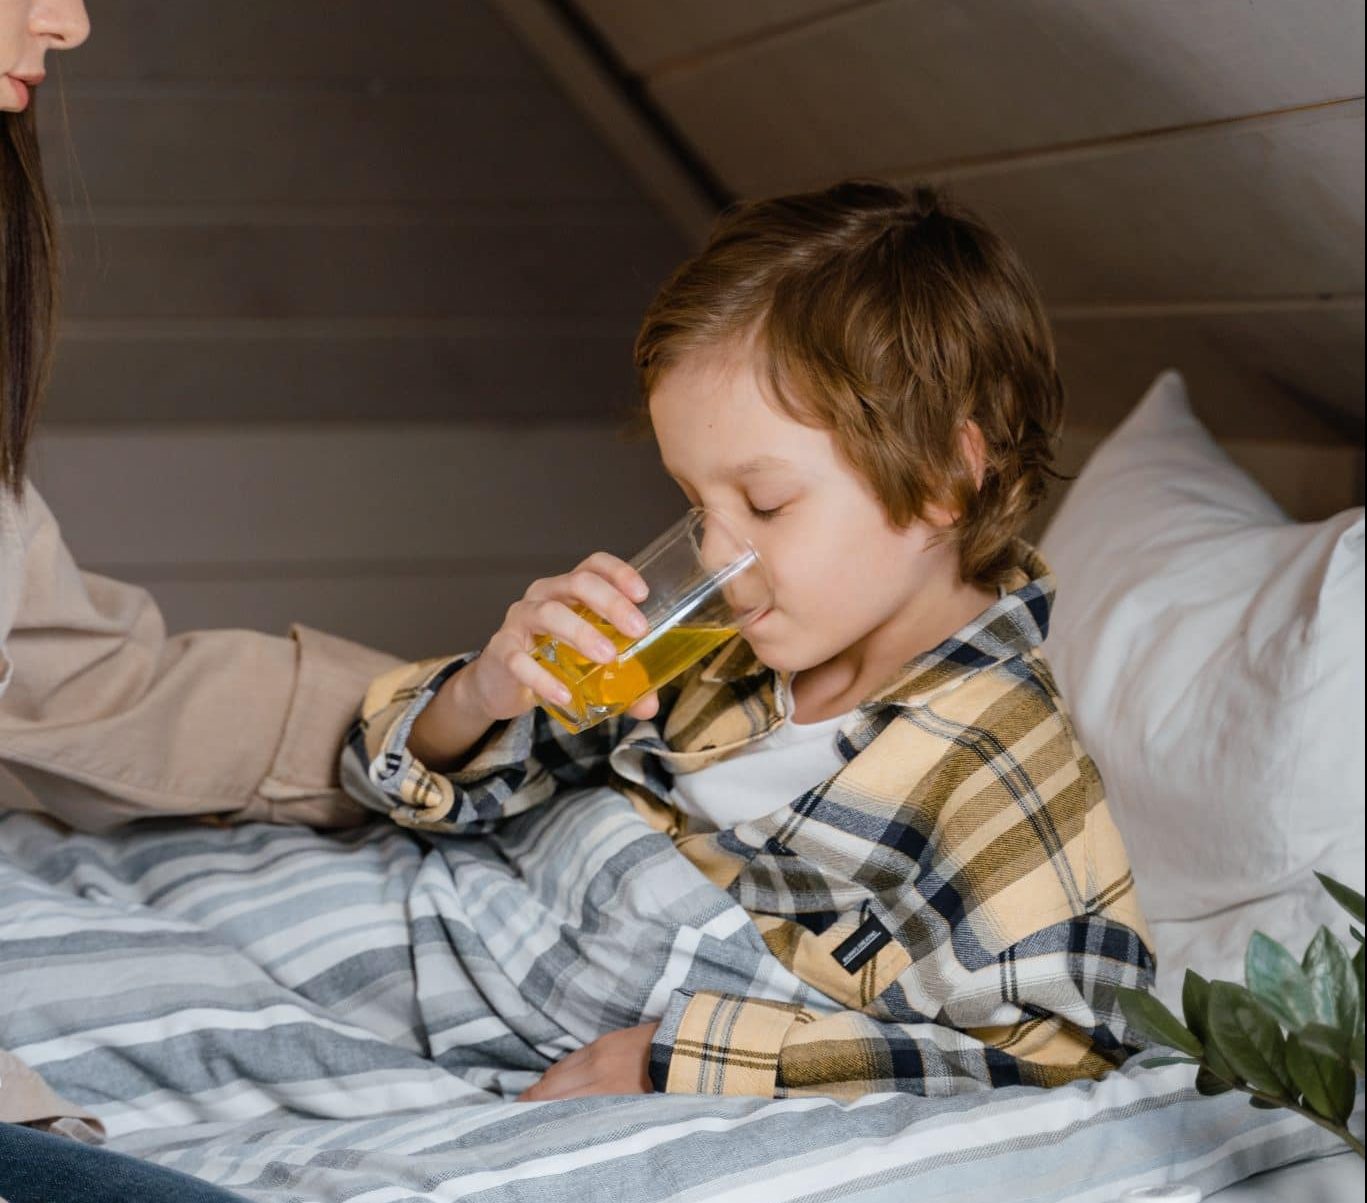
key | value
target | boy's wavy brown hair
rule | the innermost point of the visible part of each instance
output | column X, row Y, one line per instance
column 890, row 319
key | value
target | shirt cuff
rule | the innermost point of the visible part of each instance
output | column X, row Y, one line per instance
column 416, row 795
column 302, row 784
column 709, row 1043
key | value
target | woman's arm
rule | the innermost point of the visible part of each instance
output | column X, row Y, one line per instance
column 107, row 719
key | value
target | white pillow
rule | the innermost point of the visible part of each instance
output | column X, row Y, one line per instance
column 1211, row 653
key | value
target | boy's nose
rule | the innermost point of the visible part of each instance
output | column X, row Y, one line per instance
column 718, row 546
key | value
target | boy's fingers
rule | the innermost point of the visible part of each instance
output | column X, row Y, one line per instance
column 646, row 707
column 619, row 572
column 605, row 598
column 528, row 672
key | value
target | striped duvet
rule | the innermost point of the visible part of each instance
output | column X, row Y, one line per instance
column 299, row 1016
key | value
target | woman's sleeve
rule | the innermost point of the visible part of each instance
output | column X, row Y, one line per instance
column 106, row 718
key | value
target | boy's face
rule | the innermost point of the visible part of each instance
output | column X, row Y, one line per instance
column 840, row 570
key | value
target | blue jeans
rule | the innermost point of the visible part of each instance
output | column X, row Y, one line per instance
column 37, row 1167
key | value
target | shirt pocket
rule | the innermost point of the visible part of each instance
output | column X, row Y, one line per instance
column 852, row 961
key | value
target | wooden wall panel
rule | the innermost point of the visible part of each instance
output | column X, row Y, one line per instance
column 413, row 615
column 1271, row 208
column 1289, row 375
column 409, row 537
column 311, row 495
column 327, row 210
column 1185, row 180
column 417, row 538
column 889, row 88
column 292, row 230
column 201, row 42
column 114, row 372
column 651, row 33
column 1310, row 482
column 516, row 270
column 492, row 144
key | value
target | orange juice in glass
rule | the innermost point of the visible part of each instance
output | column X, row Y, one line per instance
column 706, row 584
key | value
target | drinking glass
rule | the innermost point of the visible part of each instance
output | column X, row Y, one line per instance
column 706, row 584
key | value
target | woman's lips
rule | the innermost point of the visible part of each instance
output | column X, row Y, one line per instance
column 20, row 90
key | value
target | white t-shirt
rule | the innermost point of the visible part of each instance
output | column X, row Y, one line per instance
column 761, row 778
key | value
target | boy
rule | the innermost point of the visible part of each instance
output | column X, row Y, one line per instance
column 880, row 770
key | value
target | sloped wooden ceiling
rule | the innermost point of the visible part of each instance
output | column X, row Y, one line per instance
column 1184, row 177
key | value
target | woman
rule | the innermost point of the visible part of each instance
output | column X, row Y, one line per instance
column 91, row 688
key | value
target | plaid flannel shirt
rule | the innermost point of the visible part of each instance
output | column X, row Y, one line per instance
column 958, row 889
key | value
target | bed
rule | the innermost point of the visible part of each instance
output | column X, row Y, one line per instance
column 273, row 1016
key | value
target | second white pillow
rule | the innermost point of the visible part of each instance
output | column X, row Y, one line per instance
column 1211, row 653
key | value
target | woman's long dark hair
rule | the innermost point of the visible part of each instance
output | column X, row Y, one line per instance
column 28, row 290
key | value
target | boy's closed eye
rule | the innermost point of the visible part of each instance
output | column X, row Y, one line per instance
column 763, row 509
column 766, row 515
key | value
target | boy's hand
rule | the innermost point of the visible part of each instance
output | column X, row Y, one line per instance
column 615, row 1063
column 505, row 681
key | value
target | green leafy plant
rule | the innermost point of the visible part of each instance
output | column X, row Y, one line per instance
column 1291, row 1037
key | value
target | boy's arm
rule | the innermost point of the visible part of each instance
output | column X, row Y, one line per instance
column 517, row 764
column 1043, row 1013
column 999, row 917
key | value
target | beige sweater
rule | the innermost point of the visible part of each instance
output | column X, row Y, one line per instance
column 104, row 718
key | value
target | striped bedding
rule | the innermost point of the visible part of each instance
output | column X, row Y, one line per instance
column 299, row 1016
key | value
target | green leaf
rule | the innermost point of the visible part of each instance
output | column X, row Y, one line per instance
column 1248, row 1037
column 1348, row 898
column 1277, row 981
column 1152, row 1020
column 1327, row 1041
column 1195, row 992
column 1355, row 1052
column 1195, row 1003
column 1333, row 984
column 1264, row 1104
column 1357, row 933
column 1326, row 1082
column 1208, row 1084
column 1159, row 1062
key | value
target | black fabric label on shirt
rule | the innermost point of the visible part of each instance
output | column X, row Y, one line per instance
column 861, row 946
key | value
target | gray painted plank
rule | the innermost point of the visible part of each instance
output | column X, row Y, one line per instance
column 490, row 143
column 160, row 42
column 1309, row 482
column 347, row 495
column 509, row 269
column 1264, row 209
column 892, row 86
column 414, row 616
column 1250, row 374
column 645, row 32
column 1248, row 371
column 524, row 373
column 438, row 602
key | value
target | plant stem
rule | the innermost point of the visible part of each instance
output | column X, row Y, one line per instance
column 1339, row 1130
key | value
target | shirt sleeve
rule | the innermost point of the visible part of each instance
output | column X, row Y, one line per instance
column 1042, row 1014
column 518, row 764
column 106, row 718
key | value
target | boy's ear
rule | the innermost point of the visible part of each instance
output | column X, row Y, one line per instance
column 973, row 448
